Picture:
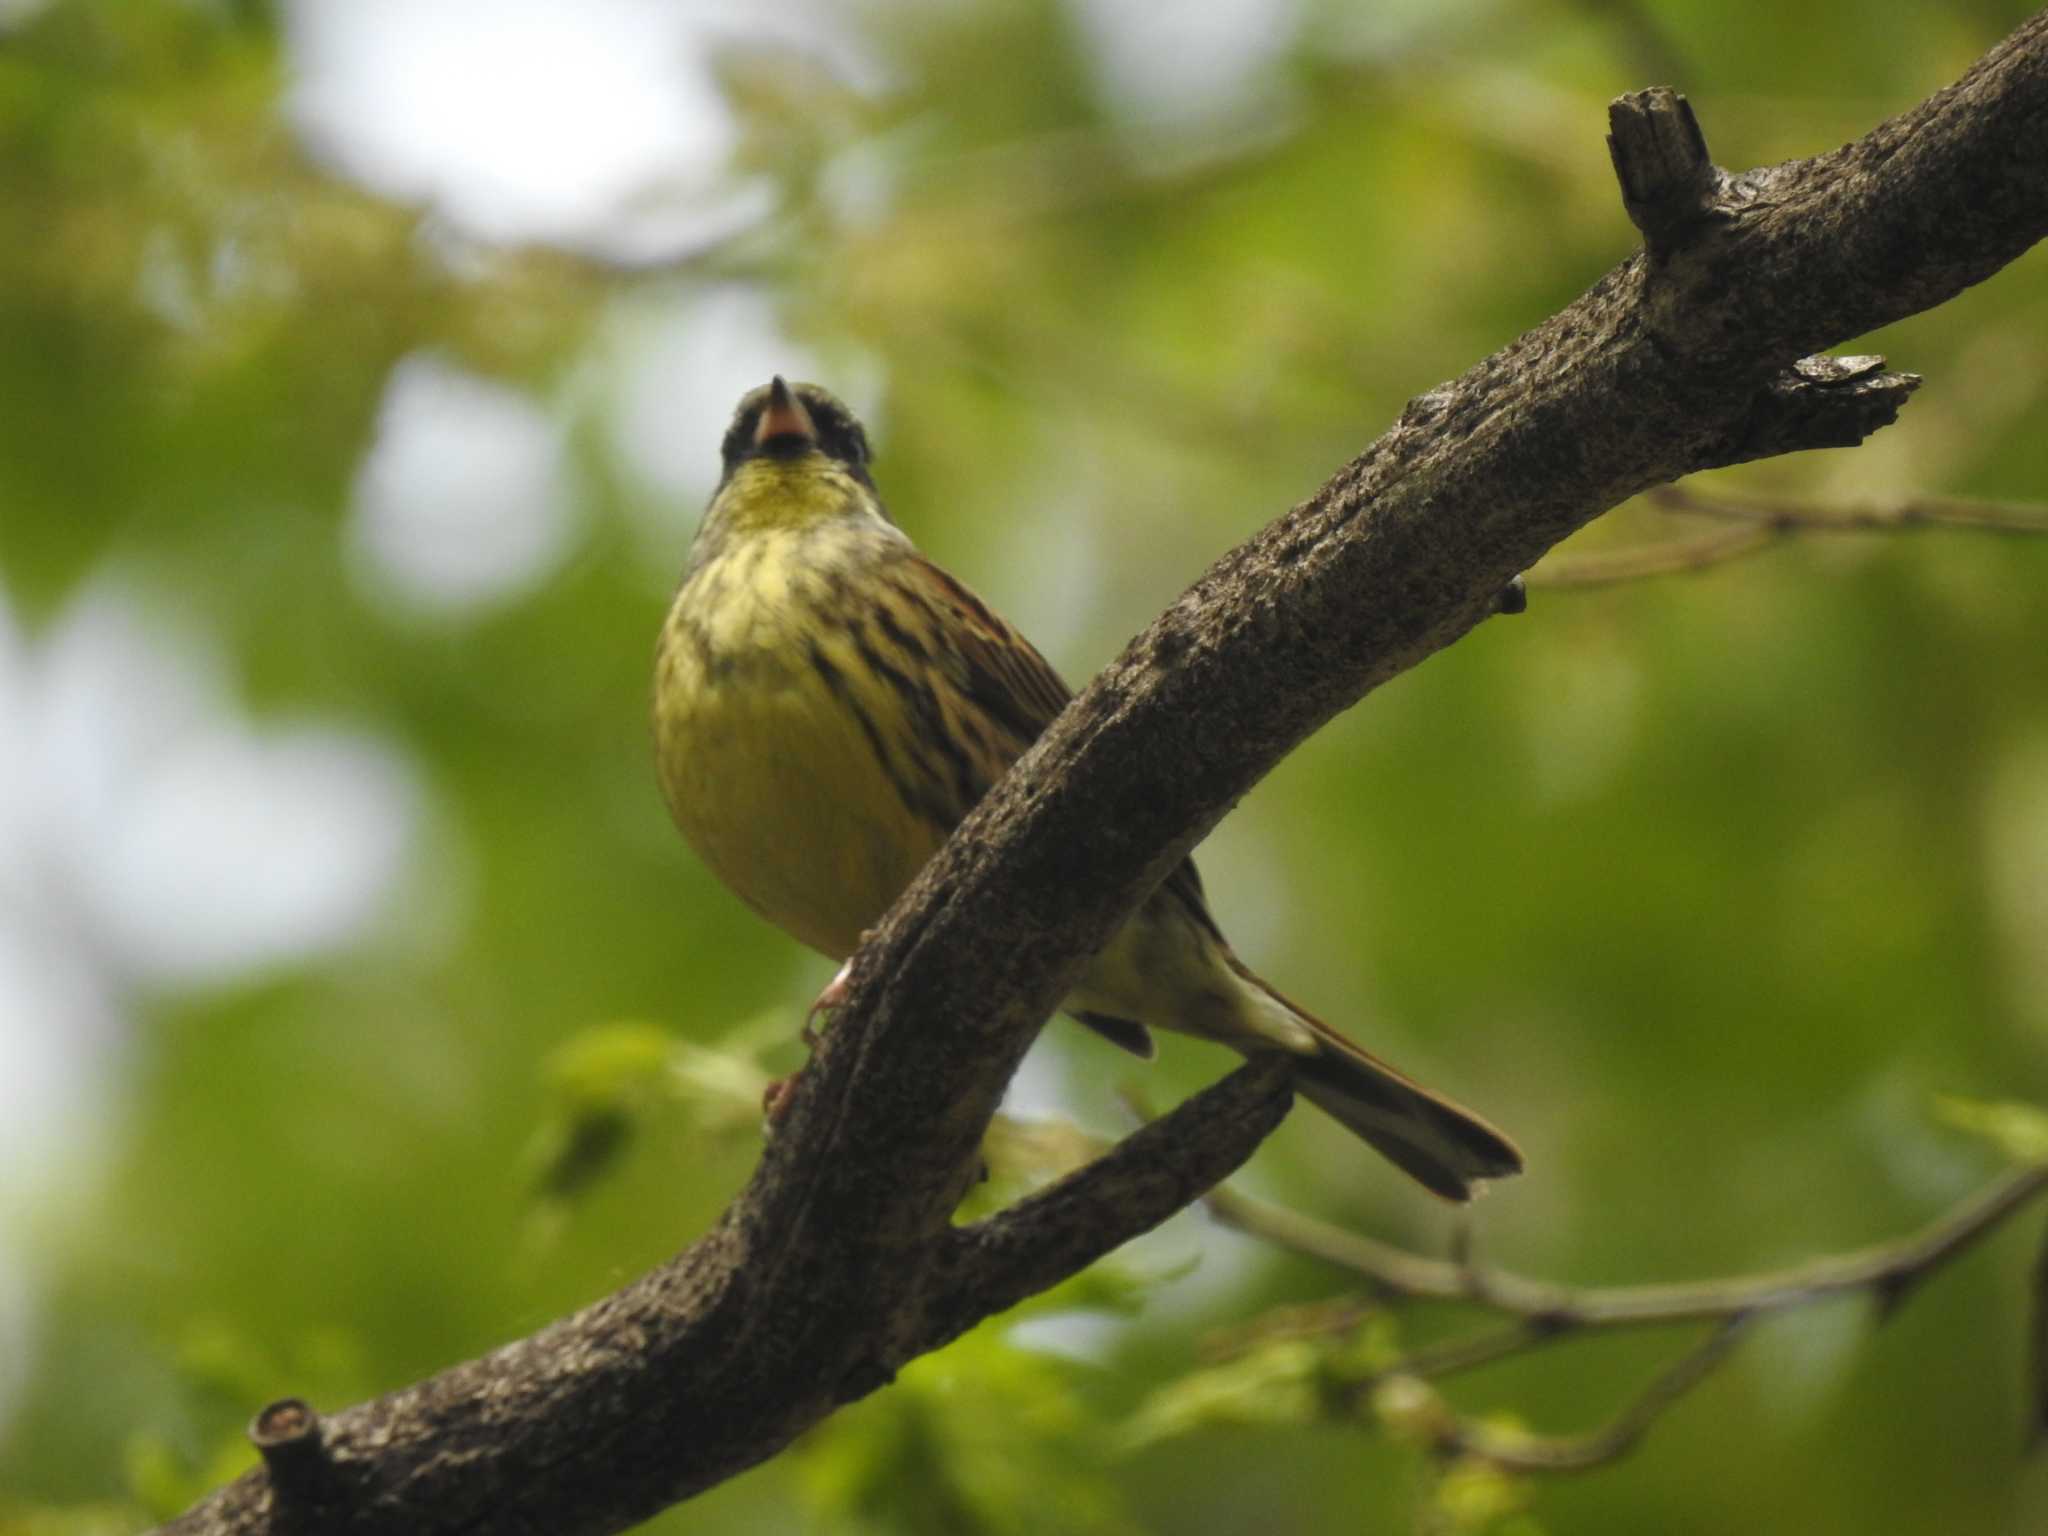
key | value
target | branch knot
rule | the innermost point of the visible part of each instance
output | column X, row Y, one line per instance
column 1669, row 183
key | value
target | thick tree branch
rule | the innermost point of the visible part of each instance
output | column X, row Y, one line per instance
column 814, row 1287
column 1165, row 1167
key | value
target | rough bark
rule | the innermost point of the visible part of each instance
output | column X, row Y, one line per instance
column 838, row 1262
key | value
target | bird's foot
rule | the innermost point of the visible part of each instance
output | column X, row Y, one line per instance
column 776, row 1096
column 775, row 1099
column 834, row 996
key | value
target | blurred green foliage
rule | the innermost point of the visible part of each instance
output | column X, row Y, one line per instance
column 1705, row 886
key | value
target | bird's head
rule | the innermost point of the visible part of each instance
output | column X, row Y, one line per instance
column 790, row 421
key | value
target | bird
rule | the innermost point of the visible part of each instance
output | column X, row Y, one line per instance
column 828, row 704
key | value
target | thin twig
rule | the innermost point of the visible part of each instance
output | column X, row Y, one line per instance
column 1867, row 517
column 1620, row 1434
column 1661, row 557
column 1887, row 1270
column 1545, row 1313
column 1473, row 1350
column 1759, row 522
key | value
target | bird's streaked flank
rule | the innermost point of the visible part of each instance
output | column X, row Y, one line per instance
column 828, row 704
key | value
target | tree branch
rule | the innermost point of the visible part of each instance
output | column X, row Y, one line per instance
column 1887, row 1270
column 814, row 1286
column 1620, row 1434
column 1165, row 1167
column 1786, row 513
column 1757, row 522
column 1545, row 1313
column 1659, row 557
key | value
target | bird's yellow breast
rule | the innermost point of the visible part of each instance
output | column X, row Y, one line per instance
column 771, row 738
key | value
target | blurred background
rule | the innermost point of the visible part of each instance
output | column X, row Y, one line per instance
column 362, row 367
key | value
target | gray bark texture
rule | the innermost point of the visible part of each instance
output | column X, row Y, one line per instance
column 839, row 1261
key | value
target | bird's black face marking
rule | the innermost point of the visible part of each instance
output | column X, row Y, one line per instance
column 839, row 435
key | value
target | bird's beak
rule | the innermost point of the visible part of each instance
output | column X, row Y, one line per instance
column 783, row 416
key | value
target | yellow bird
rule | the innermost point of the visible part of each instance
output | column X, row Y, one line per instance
column 828, row 704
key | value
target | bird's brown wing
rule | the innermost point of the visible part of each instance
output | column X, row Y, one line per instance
column 1010, row 694
column 1012, row 688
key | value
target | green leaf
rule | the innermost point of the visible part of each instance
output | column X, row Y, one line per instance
column 1277, row 1383
column 609, row 1065
column 982, row 1438
column 2017, row 1129
column 600, row 1080
column 1413, row 1411
column 1476, row 1497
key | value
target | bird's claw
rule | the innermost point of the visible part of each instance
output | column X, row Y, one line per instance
column 776, row 1096
column 834, row 996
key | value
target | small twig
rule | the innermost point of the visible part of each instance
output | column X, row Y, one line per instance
column 1544, row 1313
column 1759, row 522
column 1473, row 1350
column 1620, row 1434
column 1788, row 514
column 1664, row 557
column 1887, row 1270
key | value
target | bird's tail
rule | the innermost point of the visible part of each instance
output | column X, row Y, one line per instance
column 1442, row 1146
